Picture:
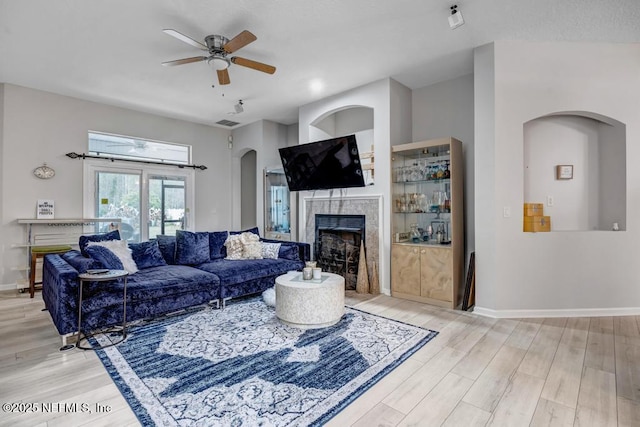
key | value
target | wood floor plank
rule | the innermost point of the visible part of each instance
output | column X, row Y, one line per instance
column 524, row 333
column 552, row 414
column 436, row 407
column 627, row 369
column 600, row 345
column 597, row 404
column 628, row 412
column 627, row 330
column 542, row 350
column 517, row 406
column 380, row 415
column 479, row 356
column 487, row 391
column 563, row 383
column 576, row 332
column 467, row 415
column 375, row 394
column 408, row 394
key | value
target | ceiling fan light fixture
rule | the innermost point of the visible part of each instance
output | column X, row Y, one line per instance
column 218, row 63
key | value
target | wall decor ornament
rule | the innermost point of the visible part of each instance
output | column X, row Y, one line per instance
column 564, row 172
column 44, row 172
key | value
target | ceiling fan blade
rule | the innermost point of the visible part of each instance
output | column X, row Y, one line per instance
column 265, row 68
column 223, row 77
column 186, row 39
column 239, row 41
column 184, row 61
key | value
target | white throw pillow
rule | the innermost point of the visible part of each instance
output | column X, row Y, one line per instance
column 251, row 247
column 269, row 297
column 234, row 246
column 120, row 248
column 270, row 250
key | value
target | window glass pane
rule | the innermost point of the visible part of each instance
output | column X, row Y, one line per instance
column 167, row 201
column 118, row 196
column 101, row 144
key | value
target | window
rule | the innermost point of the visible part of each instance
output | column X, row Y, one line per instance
column 150, row 199
column 107, row 145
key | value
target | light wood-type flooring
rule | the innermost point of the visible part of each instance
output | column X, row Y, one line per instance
column 476, row 372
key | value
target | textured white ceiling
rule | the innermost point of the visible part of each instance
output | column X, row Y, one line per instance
column 110, row 51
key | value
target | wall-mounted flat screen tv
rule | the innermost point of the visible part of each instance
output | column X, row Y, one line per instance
column 332, row 163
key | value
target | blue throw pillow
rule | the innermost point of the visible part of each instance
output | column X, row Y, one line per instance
column 147, row 254
column 192, row 248
column 290, row 252
column 217, row 250
column 253, row 230
column 105, row 257
column 84, row 240
column 167, row 245
column 79, row 262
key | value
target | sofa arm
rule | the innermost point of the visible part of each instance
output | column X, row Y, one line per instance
column 304, row 249
column 60, row 293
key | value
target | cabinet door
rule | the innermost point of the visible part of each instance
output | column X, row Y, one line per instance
column 436, row 273
column 405, row 269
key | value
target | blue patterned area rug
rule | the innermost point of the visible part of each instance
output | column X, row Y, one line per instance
column 242, row 367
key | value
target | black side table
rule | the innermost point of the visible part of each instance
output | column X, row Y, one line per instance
column 102, row 277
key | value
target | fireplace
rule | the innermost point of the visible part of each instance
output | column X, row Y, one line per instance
column 337, row 245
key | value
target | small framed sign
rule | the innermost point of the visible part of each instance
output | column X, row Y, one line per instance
column 564, row 172
column 45, row 209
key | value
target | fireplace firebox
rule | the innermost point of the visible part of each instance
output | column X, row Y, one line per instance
column 337, row 245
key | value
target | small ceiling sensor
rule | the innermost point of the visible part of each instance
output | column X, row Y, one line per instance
column 455, row 19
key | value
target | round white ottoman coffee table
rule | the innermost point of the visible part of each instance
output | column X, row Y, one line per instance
column 309, row 304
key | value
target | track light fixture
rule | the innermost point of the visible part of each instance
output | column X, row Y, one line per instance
column 455, row 19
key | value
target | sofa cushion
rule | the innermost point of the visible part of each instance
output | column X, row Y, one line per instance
column 232, row 272
column 105, row 257
column 158, row 282
column 147, row 254
column 192, row 248
column 217, row 249
column 270, row 250
column 84, row 240
column 121, row 250
column 167, row 245
column 79, row 262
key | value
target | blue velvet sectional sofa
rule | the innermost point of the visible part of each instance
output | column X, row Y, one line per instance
column 182, row 278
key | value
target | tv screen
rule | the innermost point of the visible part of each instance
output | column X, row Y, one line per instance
column 332, row 163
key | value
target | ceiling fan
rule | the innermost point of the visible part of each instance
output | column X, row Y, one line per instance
column 219, row 48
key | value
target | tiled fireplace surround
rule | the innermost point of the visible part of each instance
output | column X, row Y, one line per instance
column 369, row 206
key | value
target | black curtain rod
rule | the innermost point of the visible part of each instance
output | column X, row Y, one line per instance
column 113, row 159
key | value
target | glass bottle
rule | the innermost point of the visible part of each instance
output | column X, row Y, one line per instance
column 414, row 234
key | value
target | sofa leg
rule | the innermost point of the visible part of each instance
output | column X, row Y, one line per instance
column 224, row 302
column 66, row 346
column 215, row 303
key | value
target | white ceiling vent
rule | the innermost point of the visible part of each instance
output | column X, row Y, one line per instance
column 229, row 123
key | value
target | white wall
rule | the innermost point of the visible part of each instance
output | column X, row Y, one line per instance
column 42, row 127
column 391, row 104
column 446, row 109
column 528, row 274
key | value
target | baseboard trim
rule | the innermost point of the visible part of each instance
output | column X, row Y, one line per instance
column 574, row 312
column 9, row 287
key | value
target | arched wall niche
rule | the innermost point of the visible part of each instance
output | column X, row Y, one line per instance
column 248, row 177
column 595, row 145
column 346, row 120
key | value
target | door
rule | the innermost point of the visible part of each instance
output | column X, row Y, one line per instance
column 405, row 270
column 118, row 196
column 167, row 205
